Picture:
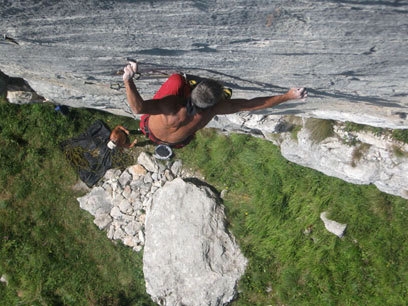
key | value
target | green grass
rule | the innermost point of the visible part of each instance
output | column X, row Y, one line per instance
column 356, row 127
column 397, row 134
column 400, row 135
column 50, row 251
column 53, row 254
column 270, row 204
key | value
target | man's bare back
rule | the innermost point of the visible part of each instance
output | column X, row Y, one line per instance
column 170, row 120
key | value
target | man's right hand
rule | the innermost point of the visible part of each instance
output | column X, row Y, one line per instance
column 129, row 71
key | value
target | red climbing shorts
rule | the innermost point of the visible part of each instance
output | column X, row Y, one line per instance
column 176, row 85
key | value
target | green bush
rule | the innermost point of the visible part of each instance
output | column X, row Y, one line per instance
column 356, row 127
column 320, row 129
column 400, row 135
column 359, row 151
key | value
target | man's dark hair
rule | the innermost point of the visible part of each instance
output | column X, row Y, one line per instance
column 207, row 93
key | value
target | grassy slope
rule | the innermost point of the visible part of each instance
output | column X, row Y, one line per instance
column 53, row 254
column 50, row 250
column 270, row 205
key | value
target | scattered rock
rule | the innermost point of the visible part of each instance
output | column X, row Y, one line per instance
column 189, row 256
column 147, row 162
column 96, row 202
column 176, row 167
column 102, row 221
column 137, row 170
column 332, row 226
column 3, row 279
column 125, row 178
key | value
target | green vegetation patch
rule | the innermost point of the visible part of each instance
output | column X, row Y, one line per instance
column 274, row 207
column 320, row 129
column 400, row 135
column 51, row 253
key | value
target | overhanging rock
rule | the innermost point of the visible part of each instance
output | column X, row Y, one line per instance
column 350, row 54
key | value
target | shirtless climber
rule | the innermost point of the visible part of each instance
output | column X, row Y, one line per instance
column 176, row 111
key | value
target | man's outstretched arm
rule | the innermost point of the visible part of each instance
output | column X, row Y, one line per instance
column 134, row 99
column 239, row 105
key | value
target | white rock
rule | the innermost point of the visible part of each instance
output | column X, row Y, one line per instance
column 111, row 231
column 103, row 221
column 155, row 176
column 147, row 162
column 332, row 226
column 127, row 191
column 112, row 174
column 129, row 241
column 168, row 175
column 132, row 228
column 147, row 203
column 3, row 279
column 116, row 213
column 137, row 204
column 118, row 198
column 176, row 167
column 125, row 207
column 334, row 158
column 142, row 218
column 137, row 248
column 148, row 178
column 119, row 234
column 96, row 200
column 125, row 178
column 141, row 237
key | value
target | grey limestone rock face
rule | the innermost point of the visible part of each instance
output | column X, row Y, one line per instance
column 350, row 54
column 189, row 258
column 380, row 162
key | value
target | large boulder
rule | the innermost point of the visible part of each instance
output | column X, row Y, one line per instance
column 189, row 256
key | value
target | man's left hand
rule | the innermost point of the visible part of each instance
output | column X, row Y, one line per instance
column 297, row 93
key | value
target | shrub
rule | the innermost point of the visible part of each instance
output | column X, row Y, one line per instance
column 320, row 129
column 400, row 135
column 399, row 152
column 359, row 152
